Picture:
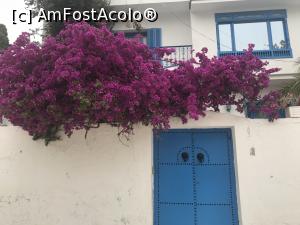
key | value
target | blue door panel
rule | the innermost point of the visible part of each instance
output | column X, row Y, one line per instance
column 213, row 184
column 215, row 143
column 170, row 145
column 194, row 182
column 176, row 214
column 175, row 184
column 214, row 215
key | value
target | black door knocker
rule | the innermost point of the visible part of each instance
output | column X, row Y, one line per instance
column 200, row 157
column 185, row 156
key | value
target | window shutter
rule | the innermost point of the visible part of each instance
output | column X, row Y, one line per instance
column 154, row 37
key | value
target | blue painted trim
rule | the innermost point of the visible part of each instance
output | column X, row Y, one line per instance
column 270, row 38
column 191, row 130
column 287, row 36
column 155, row 175
column 218, row 38
column 263, row 54
column 233, row 37
column 251, row 17
column 233, row 178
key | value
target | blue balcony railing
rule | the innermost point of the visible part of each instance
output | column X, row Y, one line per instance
column 264, row 54
column 255, row 114
column 182, row 53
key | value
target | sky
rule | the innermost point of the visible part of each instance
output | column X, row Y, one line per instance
column 6, row 18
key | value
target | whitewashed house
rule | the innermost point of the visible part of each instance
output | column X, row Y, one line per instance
column 225, row 169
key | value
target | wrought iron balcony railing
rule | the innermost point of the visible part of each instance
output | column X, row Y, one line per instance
column 182, row 53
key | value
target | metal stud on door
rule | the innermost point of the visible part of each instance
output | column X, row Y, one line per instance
column 194, row 178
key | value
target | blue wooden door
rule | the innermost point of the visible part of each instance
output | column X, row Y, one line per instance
column 194, row 178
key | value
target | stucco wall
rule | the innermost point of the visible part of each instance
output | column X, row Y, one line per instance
column 174, row 24
column 104, row 180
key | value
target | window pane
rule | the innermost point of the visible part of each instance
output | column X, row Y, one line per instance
column 225, row 37
column 278, row 35
column 251, row 33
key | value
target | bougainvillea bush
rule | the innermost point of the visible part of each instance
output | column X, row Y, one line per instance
column 87, row 76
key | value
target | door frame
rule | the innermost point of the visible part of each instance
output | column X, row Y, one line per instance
column 233, row 149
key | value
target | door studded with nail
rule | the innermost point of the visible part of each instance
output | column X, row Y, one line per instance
column 194, row 180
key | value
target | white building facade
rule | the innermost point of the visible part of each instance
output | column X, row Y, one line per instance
column 225, row 169
column 206, row 23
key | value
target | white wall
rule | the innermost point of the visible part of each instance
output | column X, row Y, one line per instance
column 204, row 28
column 173, row 19
column 103, row 180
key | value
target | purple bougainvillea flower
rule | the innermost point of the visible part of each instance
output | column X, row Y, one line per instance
column 86, row 76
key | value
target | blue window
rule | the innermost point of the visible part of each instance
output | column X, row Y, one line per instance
column 266, row 29
column 151, row 37
column 255, row 114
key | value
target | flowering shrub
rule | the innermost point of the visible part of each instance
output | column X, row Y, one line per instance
column 268, row 106
column 86, row 76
